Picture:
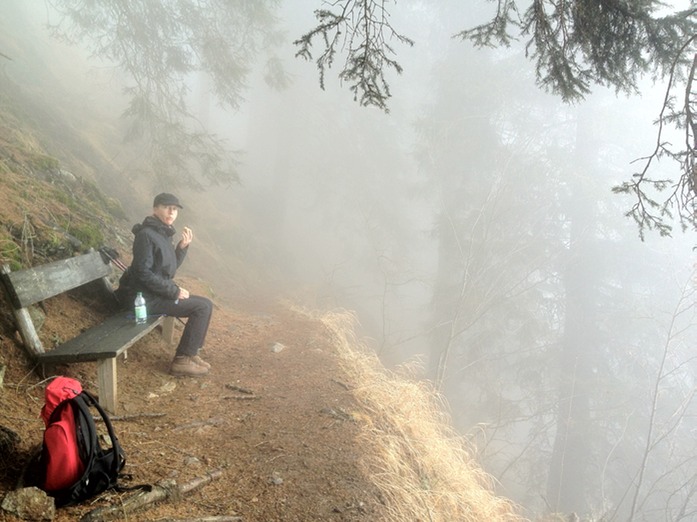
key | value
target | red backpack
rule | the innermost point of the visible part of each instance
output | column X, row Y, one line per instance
column 61, row 458
column 73, row 464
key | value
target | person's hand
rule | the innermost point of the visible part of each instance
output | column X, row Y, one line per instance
column 183, row 294
column 187, row 237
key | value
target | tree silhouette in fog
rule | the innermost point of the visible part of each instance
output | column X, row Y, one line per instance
column 574, row 45
column 165, row 47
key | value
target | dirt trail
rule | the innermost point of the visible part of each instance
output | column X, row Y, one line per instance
column 274, row 414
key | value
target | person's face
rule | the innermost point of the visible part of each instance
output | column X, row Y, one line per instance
column 166, row 213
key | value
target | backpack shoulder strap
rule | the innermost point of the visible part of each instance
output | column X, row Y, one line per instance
column 84, row 401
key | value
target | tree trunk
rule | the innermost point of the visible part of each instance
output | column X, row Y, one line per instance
column 567, row 479
column 568, row 467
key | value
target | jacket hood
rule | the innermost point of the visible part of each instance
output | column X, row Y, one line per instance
column 154, row 223
column 58, row 390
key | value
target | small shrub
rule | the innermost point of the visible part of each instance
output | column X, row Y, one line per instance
column 10, row 254
column 90, row 235
column 44, row 163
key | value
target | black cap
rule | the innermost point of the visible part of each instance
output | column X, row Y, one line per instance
column 166, row 199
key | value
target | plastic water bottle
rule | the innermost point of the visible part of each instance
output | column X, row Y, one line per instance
column 141, row 310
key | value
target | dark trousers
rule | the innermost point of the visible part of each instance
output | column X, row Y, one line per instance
column 198, row 312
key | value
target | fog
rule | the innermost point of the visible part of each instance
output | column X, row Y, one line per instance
column 474, row 232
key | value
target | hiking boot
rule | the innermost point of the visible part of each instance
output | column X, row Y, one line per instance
column 200, row 362
column 184, row 365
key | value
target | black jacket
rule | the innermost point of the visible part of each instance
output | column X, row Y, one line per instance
column 155, row 262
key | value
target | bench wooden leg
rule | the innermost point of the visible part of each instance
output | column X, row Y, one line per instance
column 168, row 329
column 106, row 380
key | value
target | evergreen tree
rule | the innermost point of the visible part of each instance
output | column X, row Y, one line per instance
column 165, row 48
column 574, row 45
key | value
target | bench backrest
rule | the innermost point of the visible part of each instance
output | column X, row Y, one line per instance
column 31, row 285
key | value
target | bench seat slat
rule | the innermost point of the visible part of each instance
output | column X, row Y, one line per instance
column 103, row 341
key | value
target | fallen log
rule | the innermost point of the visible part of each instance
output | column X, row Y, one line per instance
column 164, row 490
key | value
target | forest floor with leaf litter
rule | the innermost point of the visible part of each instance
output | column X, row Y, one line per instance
column 276, row 415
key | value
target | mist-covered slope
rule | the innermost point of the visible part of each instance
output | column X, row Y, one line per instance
column 320, row 430
column 299, row 419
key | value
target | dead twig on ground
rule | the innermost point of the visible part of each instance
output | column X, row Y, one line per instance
column 243, row 397
column 164, row 490
column 337, row 414
column 197, row 424
column 234, row 387
column 342, row 384
column 223, row 518
column 136, row 416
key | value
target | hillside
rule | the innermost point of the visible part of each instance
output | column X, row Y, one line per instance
column 300, row 418
column 298, row 433
column 303, row 422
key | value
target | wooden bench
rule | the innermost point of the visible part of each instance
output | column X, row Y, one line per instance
column 102, row 343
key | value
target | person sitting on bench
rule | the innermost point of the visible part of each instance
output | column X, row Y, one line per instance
column 155, row 262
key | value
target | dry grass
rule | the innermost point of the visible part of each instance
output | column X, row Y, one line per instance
column 419, row 463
